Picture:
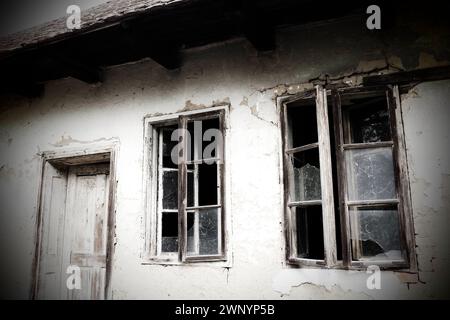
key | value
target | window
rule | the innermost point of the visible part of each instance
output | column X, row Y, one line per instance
column 347, row 201
column 188, row 180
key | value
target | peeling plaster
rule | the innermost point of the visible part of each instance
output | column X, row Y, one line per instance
column 251, row 87
column 349, row 281
column 67, row 140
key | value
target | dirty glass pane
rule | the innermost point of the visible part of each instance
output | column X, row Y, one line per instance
column 170, row 231
column 375, row 233
column 170, row 190
column 306, row 180
column 369, row 120
column 208, row 232
column 169, row 240
column 370, row 174
column 197, row 129
column 302, row 123
column 207, row 184
column 191, row 231
column 206, row 125
column 309, row 232
column 167, row 147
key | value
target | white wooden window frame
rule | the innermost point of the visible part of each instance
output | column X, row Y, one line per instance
column 402, row 183
column 151, row 252
column 326, row 202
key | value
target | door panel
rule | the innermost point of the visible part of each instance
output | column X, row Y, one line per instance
column 53, row 214
column 83, row 235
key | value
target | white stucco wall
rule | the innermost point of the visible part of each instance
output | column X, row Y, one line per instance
column 72, row 115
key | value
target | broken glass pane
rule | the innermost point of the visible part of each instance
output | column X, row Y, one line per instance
column 208, row 231
column 169, row 230
column 302, row 122
column 207, row 184
column 369, row 120
column 190, row 189
column 309, row 232
column 306, row 176
column 170, row 190
column 169, row 239
column 370, row 174
column 375, row 233
column 167, row 147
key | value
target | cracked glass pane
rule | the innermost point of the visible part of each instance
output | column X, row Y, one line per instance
column 306, row 176
column 204, row 237
column 170, row 190
column 169, row 238
column 368, row 119
column 208, row 231
column 375, row 233
column 370, row 174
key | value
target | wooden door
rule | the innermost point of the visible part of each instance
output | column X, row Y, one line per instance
column 82, row 234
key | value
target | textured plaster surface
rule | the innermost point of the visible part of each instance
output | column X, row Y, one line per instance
column 72, row 114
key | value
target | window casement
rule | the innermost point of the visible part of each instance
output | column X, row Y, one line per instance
column 347, row 198
column 188, row 173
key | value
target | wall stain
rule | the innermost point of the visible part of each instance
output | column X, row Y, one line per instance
column 67, row 140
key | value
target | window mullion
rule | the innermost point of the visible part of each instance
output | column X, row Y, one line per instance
column 326, row 177
column 290, row 227
column 182, row 188
column 221, row 180
column 160, row 195
column 339, row 142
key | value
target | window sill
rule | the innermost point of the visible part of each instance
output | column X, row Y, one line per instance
column 394, row 266
column 172, row 261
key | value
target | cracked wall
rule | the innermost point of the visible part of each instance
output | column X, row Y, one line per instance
column 72, row 115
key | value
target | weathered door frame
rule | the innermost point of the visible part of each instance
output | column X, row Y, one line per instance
column 68, row 157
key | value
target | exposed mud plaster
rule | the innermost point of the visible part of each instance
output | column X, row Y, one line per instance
column 221, row 101
column 192, row 106
column 412, row 93
column 67, row 140
column 395, row 62
column 350, row 281
column 244, row 102
column 155, row 114
column 261, row 107
column 189, row 106
column 253, row 158
column 350, row 78
column 408, row 278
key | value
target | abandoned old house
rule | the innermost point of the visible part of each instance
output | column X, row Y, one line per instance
column 194, row 149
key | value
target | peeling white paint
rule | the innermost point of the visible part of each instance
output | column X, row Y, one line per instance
column 72, row 114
